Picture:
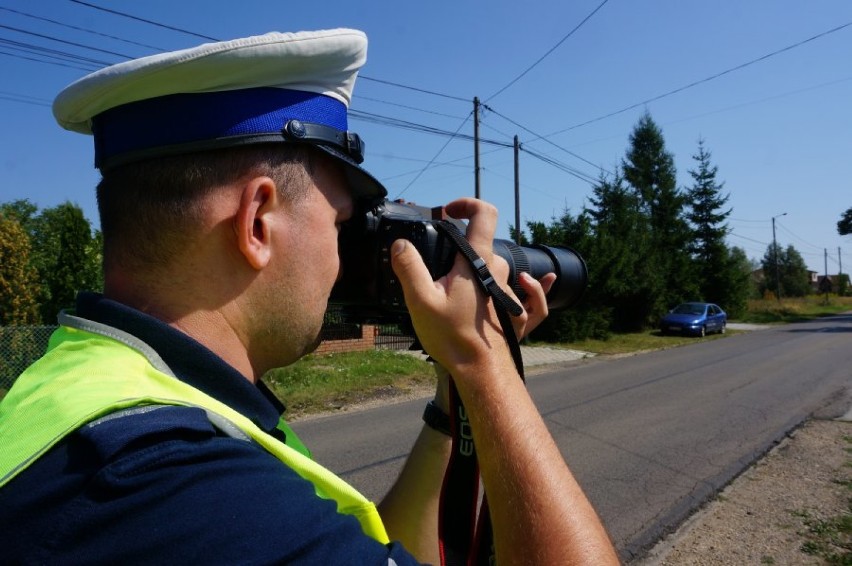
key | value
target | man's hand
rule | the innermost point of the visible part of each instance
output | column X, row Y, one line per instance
column 455, row 321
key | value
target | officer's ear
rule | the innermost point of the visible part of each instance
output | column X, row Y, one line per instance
column 253, row 221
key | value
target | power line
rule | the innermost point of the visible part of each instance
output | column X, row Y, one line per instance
column 561, row 166
column 34, row 49
column 24, row 100
column 760, row 100
column 399, row 85
column 406, row 125
column 42, row 36
column 395, row 122
column 799, row 237
column 69, row 26
column 704, row 80
column 451, row 163
column 734, row 234
column 138, row 19
column 544, row 139
column 443, row 147
column 398, row 105
column 492, row 128
column 24, row 58
column 549, row 51
column 524, row 185
column 24, row 97
column 741, row 220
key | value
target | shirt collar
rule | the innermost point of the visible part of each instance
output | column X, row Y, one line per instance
column 191, row 362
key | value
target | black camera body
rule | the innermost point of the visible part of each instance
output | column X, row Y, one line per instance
column 369, row 291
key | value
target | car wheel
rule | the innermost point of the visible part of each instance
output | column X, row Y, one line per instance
column 703, row 332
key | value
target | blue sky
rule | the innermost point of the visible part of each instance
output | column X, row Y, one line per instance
column 778, row 129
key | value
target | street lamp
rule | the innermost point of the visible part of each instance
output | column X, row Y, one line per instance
column 775, row 253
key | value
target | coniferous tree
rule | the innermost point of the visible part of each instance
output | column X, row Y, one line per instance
column 649, row 169
column 720, row 273
column 587, row 318
column 622, row 281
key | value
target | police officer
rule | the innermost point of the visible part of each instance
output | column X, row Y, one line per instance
column 145, row 433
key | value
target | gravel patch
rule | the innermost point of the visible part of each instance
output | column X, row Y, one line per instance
column 777, row 511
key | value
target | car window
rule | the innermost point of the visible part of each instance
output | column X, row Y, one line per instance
column 689, row 308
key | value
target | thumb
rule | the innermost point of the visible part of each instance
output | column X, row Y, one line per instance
column 412, row 272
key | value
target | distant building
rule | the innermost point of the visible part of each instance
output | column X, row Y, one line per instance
column 813, row 278
column 830, row 283
column 818, row 283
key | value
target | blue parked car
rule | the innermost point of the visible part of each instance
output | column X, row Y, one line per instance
column 698, row 319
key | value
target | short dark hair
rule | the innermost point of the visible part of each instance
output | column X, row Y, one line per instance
column 148, row 208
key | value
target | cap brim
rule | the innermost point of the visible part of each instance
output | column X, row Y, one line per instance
column 363, row 184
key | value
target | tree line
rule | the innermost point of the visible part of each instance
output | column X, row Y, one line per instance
column 46, row 257
column 650, row 245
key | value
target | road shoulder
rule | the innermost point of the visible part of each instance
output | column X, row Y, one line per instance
column 791, row 507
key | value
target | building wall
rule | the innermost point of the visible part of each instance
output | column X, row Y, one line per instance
column 367, row 341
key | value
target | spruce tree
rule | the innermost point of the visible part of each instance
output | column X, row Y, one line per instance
column 649, row 169
column 720, row 278
column 622, row 283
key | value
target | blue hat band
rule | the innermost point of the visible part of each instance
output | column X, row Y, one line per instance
column 181, row 123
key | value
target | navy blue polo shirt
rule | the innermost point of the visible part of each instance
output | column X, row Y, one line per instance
column 164, row 486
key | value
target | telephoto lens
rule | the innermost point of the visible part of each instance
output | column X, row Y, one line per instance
column 538, row 260
column 368, row 290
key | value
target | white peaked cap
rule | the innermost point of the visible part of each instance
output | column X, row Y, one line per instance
column 276, row 87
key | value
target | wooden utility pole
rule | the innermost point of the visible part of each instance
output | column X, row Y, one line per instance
column 517, row 193
column 476, row 146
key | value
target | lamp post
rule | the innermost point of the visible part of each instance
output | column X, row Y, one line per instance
column 775, row 260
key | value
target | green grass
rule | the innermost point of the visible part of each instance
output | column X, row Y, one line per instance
column 319, row 383
column 766, row 311
column 830, row 538
column 631, row 343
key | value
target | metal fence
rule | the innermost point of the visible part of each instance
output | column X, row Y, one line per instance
column 20, row 346
column 393, row 337
column 335, row 326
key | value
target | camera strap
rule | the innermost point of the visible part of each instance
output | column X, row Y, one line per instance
column 465, row 535
column 486, row 280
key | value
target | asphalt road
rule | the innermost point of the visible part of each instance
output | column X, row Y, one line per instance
column 650, row 437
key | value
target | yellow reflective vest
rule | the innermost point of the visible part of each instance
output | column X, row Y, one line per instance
column 91, row 371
